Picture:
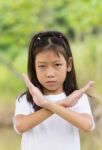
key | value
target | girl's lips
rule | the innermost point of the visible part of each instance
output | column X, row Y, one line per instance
column 51, row 82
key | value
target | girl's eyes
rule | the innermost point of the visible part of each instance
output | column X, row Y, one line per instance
column 44, row 66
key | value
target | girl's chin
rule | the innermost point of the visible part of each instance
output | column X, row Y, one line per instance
column 52, row 91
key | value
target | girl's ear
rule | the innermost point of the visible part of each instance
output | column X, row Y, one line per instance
column 69, row 64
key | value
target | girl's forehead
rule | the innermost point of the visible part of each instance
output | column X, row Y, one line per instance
column 49, row 55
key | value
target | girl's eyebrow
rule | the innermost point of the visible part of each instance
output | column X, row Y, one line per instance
column 40, row 62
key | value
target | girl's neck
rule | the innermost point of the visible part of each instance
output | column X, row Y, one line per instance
column 55, row 97
column 46, row 92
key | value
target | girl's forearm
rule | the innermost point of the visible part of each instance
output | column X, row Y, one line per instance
column 24, row 123
column 82, row 121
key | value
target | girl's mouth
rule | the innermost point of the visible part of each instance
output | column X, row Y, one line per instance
column 51, row 83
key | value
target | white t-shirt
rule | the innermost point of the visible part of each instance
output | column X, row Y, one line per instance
column 54, row 133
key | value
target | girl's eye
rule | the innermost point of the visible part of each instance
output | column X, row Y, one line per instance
column 41, row 66
column 58, row 65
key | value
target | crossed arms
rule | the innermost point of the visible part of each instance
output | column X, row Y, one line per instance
column 80, row 120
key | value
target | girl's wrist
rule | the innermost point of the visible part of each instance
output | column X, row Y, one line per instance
column 47, row 103
column 44, row 103
column 61, row 102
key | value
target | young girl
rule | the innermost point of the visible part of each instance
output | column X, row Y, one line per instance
column 52, row 110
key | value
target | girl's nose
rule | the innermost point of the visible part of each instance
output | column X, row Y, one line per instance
column 50, row 72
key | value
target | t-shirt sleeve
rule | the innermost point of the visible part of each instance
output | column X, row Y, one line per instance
column 23, row 107
column 83, row 106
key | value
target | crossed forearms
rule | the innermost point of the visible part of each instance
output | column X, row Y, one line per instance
column 24, row 123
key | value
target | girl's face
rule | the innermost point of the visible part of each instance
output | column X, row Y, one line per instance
column 51, row 71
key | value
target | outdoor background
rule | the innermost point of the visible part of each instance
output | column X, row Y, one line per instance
column 81, row 22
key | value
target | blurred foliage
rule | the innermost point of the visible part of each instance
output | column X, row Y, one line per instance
column 79, row 20
column 20, row 19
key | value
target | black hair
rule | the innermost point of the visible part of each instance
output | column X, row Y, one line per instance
column 57, row 42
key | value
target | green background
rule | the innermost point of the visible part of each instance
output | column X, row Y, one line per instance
column 81, row 22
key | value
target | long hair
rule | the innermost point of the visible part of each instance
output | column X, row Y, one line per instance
column 57, row 42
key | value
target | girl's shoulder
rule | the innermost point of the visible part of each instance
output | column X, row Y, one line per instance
column 83, row 104
column 23, row 106
column 83, row 100
column 84, row 96
column 22, row 100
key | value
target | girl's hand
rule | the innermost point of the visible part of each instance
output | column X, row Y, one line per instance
column 35, row 92
column 73, row 98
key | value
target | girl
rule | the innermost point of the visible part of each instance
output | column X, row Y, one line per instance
column 52, row 110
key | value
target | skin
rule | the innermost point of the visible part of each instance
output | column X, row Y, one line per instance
column 50, row 67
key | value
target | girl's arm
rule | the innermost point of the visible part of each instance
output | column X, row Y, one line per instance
column 80, row 120
column 24, row 123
